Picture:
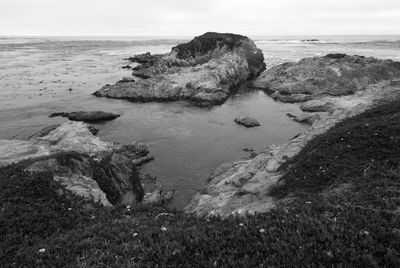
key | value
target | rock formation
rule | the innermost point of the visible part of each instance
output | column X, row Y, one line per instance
column 247, row 121
column 338, row 86
column 204, row 71
column 92, row 116
column 98, row 170
column 333, row 74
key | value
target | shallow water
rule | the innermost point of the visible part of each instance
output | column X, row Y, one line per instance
column 188, row 142
column 39, row 76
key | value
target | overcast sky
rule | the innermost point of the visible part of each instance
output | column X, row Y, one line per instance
column 189, row 18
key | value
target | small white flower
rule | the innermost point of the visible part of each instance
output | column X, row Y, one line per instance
column 163, row 228
column 135, row 234
column 128, row 207
column 69, row 209
column 42, row 250
column 262, row 230
column 241, row 224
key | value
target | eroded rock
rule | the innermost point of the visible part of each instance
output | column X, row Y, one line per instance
column 203, row 71
column 102, row 171
column 333, row 74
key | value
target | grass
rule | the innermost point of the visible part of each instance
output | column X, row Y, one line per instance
column 342, row 212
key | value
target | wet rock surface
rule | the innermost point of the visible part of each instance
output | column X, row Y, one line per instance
column 91, row 116
column 204, row 71
column 102, row 171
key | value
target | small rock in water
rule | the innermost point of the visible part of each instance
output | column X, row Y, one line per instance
column 92, row 116
column 247, row 121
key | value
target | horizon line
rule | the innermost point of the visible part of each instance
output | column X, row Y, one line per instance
column 274, row 35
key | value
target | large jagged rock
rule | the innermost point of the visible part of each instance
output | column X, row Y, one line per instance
column 243, row 186
column 333, row 74
column 203, row 71
column 102, row 171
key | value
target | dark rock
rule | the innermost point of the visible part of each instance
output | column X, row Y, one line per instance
column 204, row 71
column 93, row 130
column 247, row 121
column 140, row 75
column 290, row 115
column 310, row 40
column 126, row 67
column 144, row 58
column 126, row 80
column 336, row 56
column 93, row 116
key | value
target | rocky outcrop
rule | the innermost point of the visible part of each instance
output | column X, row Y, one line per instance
column 102, row 171
column 92, row 116
column 243, row 186
column 203, row 71
column 333, row 74
column 247, row 121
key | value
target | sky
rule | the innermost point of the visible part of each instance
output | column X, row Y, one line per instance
column 189, row 18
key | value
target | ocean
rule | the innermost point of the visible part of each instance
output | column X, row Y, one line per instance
column 42, row 75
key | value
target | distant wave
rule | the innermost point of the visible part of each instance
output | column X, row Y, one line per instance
column 294, row 42
column 342, row 42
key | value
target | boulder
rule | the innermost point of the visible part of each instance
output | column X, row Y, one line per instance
column 204, row 71
column 92, row 116
column 333, row 74
column 102, row 171
column 247, row 121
